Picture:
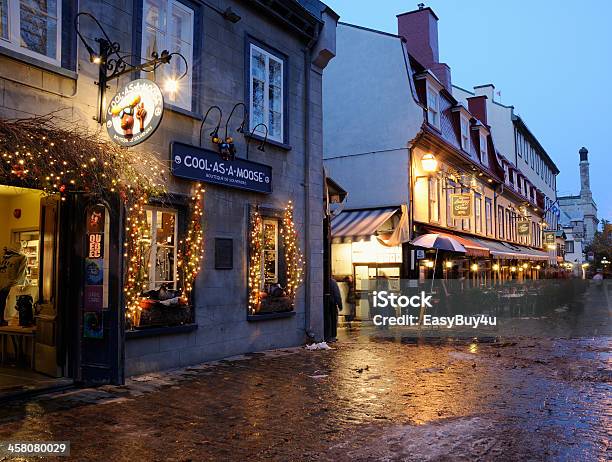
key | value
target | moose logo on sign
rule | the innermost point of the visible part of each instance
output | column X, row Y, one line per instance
column 135, row 112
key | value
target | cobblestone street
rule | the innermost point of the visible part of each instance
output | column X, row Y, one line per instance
column 366, row 399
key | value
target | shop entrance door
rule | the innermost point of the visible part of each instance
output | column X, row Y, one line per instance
column 49, row 355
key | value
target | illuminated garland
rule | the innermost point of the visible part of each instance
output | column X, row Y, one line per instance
column 255, row 269
column 192, row 248
column 294, row 261
column 60, row 157
column 137, row 278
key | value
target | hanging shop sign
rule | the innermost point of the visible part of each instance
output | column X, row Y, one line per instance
column 461, row 205
column 549, row 238
column 523, row 228
column 135, row 112
column 205, row 165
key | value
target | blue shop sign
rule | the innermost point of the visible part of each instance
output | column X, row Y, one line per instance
column 206, row 165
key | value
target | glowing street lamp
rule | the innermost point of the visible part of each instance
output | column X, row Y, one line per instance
column 429, row 163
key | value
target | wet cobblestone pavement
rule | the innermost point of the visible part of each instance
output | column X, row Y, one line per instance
column 366, row 399
column 375, row 396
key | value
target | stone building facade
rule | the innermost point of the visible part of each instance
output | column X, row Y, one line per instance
column 224, row 42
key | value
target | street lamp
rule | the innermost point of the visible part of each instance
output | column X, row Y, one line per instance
column 429, row 163
column 113, row 62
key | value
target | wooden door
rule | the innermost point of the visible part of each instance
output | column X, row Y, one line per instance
column 47, row 319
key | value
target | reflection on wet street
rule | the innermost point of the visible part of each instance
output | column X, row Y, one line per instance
column 371, row 397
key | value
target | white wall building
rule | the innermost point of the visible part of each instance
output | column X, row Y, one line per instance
column 516, row 143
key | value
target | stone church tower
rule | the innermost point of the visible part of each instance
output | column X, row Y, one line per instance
column 581, row 211
column 589, row 208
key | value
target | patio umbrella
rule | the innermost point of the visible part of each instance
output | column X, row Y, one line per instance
column 438, row 242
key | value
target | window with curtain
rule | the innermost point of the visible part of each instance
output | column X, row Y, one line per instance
column 500, row 222
column 168, row 25
column 32, row 27
column 266, row 101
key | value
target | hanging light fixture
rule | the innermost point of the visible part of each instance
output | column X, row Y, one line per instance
column 429, row 163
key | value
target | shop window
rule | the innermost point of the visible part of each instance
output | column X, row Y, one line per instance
column 434, row 200
column 267, row 267
column 488, row 216
column 162, row 304
column 168, row 25
column 433, row 107
column 32, row 28
column 267, row 92
column 270, row 251
column 478, row 212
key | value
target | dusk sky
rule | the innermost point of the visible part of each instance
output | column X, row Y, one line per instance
column 551, row 60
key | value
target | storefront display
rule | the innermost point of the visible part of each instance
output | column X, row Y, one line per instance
column 275, row 261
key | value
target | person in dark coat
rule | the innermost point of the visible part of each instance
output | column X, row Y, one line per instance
column 336, row 301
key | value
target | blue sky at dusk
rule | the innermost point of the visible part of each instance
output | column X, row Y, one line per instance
column 551, row 60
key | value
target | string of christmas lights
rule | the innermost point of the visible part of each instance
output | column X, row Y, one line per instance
column 192, row 248
column 255, row 262
column 38, row 153
column 294, row 260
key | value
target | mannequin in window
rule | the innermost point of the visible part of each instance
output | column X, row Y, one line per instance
column 13, row 265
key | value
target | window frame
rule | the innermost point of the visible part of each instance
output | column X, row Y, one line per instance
column 249, row 42
column 478, row 213
column 431, row 90
column 500, row 222
column 433, row 202
column 155, row 208
column 465, row 137
column 140, row 43
column 488, row 216
column 483, row 149
column 13, row 42
column 450, row 189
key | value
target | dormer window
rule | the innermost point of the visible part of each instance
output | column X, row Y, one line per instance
column 465, row 133
column 433, row 106
column 484, row 157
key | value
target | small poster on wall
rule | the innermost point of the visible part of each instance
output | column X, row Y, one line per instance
column 93, row 298
column 94, row 272
column 92, row 325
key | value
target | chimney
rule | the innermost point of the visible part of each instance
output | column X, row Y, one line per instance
column 419, row 28
column 477, row 105
column 487, row 90
column 585, row 182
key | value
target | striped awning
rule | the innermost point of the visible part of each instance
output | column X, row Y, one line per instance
column 504, row 250
column 363, row 222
